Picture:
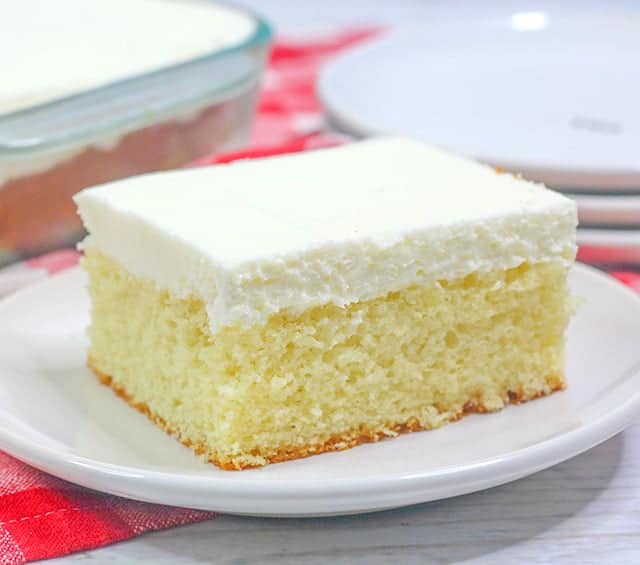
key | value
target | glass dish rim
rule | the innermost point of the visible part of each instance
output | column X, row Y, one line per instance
column 261, row 36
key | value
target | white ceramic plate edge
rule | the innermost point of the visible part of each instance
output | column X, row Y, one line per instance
column 596, row 210
column 587, row 178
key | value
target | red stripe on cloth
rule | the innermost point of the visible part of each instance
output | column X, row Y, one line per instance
column 294, row 49
column 289, row 87
column 296, row 145
column 16, row 476
column 43, row 522
column 33, row 501
column 55, row 261
column 10, row 552
column 629, row 278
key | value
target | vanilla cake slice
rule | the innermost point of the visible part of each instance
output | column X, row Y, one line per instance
column 272, row 309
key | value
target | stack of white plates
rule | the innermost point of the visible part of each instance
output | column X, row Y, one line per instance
column 553, row 94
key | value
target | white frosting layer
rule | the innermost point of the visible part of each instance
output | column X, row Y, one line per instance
column 330, row 226
column 50, row 49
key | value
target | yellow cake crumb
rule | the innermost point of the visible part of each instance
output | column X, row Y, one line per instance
column 330, row 377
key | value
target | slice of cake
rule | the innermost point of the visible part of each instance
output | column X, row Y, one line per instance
column 273, row 309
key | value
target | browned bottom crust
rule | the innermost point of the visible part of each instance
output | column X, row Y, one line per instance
column 337, row 443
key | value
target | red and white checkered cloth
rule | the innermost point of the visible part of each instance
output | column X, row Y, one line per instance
column 41, row 516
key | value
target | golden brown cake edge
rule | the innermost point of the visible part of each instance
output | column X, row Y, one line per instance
column 337, row 443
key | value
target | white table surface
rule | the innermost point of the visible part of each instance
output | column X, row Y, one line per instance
column 586, row 510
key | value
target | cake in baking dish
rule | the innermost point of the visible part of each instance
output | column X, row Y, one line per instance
column 272, row 309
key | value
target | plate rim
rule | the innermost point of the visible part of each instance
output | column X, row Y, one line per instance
column 586, row 178
column 603, row 237
column 492, row 470
column 606, row 211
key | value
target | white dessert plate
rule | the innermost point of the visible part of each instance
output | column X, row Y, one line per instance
column 551, row 93
column 609, row 246
column 608, row 210
column 55, row 416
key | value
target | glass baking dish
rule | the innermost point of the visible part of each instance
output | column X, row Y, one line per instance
column 154, row 121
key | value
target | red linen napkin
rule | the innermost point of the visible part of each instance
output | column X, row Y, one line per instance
column 41, row 516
